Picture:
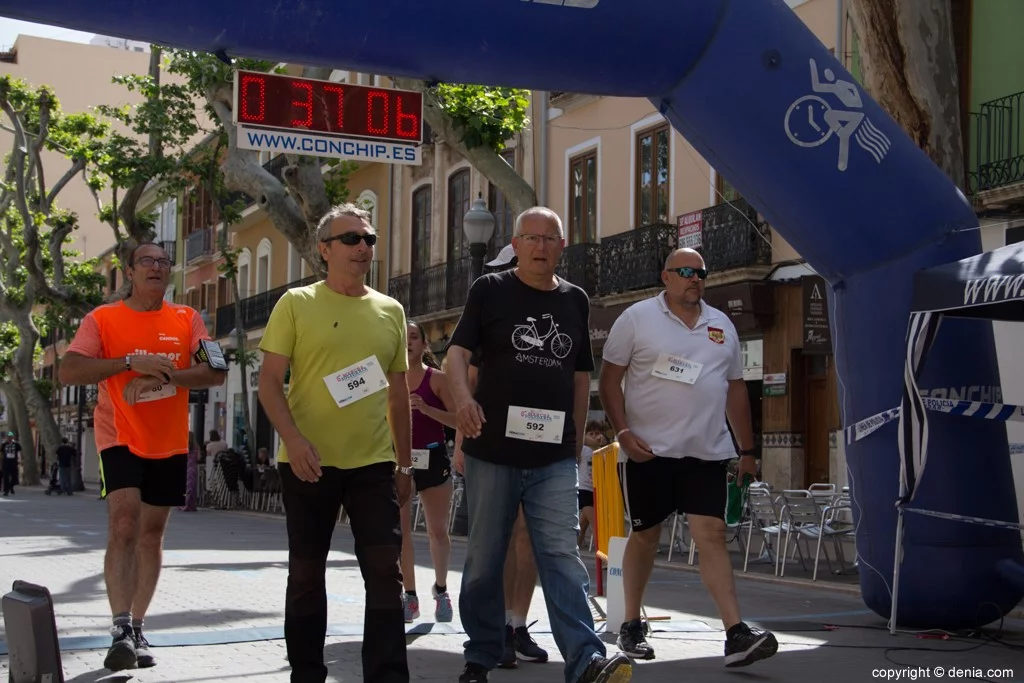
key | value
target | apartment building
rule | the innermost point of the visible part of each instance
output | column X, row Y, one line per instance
column 81, row 76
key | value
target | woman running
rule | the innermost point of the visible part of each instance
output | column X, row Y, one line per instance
column 432, row 474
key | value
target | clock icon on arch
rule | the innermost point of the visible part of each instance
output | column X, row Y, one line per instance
column 805, row 121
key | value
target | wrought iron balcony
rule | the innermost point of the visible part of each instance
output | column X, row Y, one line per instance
column 255, row 309
column 733, row 236
column 399, row 289
column 170, row 247
column 198, row 244
column 634, row 259
column 580, row 265
column 995, row 143
column 434, row 289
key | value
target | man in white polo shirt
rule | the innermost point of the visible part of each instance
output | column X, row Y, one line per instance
column 683, row 377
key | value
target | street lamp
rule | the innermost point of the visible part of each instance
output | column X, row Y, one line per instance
column 478, row 224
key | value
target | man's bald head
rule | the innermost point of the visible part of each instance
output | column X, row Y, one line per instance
column 684, row 257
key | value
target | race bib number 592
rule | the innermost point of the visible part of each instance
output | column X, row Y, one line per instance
column 534, row 424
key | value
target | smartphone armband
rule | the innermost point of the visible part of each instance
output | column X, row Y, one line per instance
column 210, row 352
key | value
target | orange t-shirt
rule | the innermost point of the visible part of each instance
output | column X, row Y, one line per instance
column 151, row 429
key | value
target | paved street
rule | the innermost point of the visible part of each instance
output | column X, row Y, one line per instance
column 224, row 581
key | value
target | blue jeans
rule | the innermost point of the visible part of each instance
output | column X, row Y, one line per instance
column 550, row 505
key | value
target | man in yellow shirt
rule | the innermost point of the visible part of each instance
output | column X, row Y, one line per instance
column 345, row 422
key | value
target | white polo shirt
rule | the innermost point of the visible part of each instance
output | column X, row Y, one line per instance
column 684, row 415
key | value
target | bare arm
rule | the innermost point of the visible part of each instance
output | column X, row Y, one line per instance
column 271, row 395
column 439, row 385
column 78, row 369
column 399, row 417
column 458, row 375
column 580, row 408
column 471, row 377
column 200, row 376
column 737, row 408
column 609, row 388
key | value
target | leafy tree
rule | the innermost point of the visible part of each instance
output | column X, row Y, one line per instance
column 34, row 232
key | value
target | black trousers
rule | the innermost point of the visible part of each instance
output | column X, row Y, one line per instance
column 371, row 501
column 10, row 475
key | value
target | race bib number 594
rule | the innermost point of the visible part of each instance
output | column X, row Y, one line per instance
column 356, row 382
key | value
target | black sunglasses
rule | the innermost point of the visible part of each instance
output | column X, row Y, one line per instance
column 688, row 272
column 352, row 238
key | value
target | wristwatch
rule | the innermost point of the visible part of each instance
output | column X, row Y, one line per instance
column 128, row 362
column 750, row 451
column 407, row 471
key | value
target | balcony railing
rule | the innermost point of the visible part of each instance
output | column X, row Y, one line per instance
column 634, row 259
column 170, row 247
column 198, row 244
column 434, row 289
column 255, row 309
column 399, row 289
column 580, row 265
column 733, row 236
column 995, row 143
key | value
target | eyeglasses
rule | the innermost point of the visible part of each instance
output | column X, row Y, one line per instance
column 536, row 239
column 688, row 272
column 352, row 238
column 149, row 262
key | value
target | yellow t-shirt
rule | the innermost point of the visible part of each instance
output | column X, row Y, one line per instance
column 322, row 332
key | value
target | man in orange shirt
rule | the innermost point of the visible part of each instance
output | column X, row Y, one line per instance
column 140, row 352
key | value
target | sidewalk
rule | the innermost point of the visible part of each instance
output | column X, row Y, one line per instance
column 224, row 580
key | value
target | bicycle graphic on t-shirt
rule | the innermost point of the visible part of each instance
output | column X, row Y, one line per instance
column 526, row 337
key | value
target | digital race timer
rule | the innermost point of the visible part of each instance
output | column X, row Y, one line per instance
column 303, row 104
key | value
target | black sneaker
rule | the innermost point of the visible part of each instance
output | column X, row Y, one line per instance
column 142, row 653
column 508, row 657
column 615, row 669
column 121, row 654
column 745, row 645
column 632, row 642
column 525, row 645
column 473, row 673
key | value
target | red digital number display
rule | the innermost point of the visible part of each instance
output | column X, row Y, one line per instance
column 279, row 101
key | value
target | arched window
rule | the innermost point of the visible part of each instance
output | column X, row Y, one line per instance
column 458, row 205
column 263, row 253
column 421, row 213
column 244, row 259
column 368, row 200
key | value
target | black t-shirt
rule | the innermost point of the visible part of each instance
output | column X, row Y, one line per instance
column 528, row 345
column 65, row 455
column 10, row 451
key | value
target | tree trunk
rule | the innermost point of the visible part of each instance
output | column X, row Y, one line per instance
column 38, row 406
column 250, row 436
column 910, row 68
column 22, row 426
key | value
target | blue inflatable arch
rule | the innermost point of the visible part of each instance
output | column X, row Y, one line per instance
column 756, row 93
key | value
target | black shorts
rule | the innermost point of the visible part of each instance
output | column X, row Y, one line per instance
column 161, row 482
column 655, row 489
column 586, row 499
column 438, row 471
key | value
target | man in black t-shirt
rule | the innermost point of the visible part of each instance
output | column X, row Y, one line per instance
column 9, row 452
column 65, row 463
column 522, row 433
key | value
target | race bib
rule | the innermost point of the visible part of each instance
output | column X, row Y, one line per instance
column 534, row 424
column 356, row 382
column 165, row 391
column 420, row 458
column 677, row 369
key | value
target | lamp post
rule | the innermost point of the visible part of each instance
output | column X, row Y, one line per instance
column 478, row 224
